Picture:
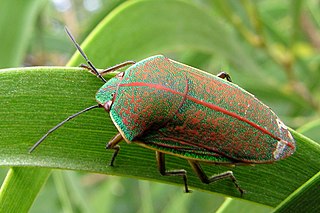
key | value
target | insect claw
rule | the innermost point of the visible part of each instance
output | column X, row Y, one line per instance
column 242, row 192
column 188, row 191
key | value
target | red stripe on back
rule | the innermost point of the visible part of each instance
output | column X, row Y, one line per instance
column 203, row 103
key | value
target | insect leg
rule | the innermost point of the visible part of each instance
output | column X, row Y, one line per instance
column 177, row 172
column 205, row 179
column 113, row 144
column 224, row 75
column 110, row 69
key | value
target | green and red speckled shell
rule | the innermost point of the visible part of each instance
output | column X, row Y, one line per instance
column 168, row 106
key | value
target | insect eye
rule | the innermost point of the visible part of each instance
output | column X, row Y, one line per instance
column 107, row 106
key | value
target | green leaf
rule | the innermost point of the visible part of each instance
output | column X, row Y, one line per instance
column 14, row 37
column 19, row 183
column 311, row 130
column 305, row 198
column 129, row 33
column 236, row 205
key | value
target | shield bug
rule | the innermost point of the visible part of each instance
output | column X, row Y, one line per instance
column 172, row 108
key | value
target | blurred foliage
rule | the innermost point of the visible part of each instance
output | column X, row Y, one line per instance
column 270, row 48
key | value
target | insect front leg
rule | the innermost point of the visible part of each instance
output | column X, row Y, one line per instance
column 177, row 172
column 224, row 75
column 110, row 69
column 113, row 144
column 205, row 179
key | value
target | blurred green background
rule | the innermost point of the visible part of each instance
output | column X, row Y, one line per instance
column 269, row 47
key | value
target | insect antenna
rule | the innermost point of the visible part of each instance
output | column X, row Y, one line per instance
column 84, row 55
column 59, row 125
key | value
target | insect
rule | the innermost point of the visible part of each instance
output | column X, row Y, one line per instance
column 175, row 109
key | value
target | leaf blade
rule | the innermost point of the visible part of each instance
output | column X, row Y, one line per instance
column 266, row 184
column 19, row 183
